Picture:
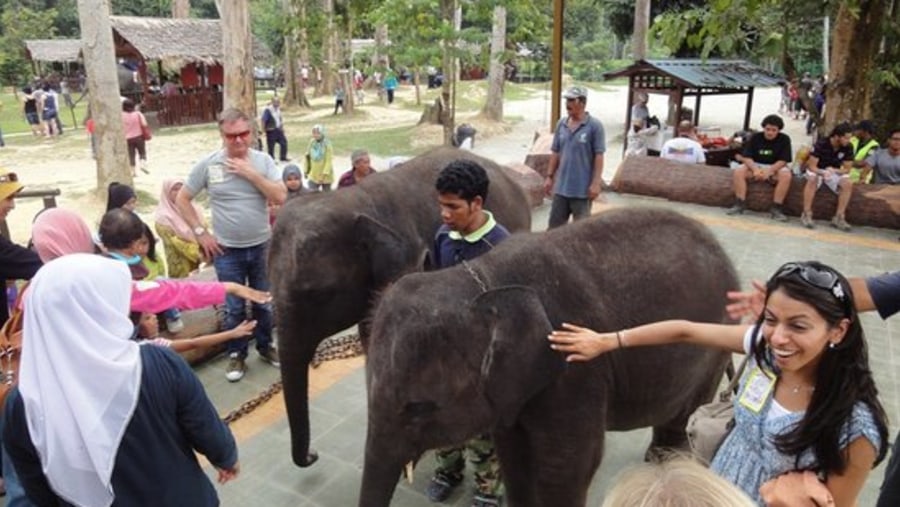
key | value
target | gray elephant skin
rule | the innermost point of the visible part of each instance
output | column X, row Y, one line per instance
column 455, row 352
column 331, row 253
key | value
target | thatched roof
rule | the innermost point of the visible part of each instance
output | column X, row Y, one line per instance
column 54, row 50
column 184, row 40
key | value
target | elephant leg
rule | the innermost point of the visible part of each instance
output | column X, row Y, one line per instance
column 515, row 466
column 565, row 462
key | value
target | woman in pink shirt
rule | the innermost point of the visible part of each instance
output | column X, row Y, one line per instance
column 134, row 123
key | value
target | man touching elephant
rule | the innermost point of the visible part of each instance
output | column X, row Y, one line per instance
column 468, row 230
column 240, row 181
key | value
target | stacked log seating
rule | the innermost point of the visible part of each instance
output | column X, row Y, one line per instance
column 529, row 179
column 538, row 157
column 872, row 205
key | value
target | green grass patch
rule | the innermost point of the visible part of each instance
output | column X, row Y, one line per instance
column 12, row 115
column 382, row 142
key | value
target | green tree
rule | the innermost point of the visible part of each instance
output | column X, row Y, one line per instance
column 18, row 24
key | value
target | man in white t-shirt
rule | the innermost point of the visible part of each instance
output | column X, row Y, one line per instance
column 684, row 148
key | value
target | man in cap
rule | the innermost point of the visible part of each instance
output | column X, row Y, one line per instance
column 16, row 263
column 575, row 172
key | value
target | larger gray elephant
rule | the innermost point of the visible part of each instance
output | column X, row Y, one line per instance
column 332, row 252
column 458, row 351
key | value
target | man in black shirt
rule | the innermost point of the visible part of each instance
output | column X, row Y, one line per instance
column 830, row 163
column 765, row 158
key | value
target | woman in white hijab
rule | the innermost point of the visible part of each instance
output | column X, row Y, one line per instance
column 97, row 419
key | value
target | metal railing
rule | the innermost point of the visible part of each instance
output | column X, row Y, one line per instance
column 48, row 195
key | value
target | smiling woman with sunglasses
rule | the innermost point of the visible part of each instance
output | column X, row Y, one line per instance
column 807, row 400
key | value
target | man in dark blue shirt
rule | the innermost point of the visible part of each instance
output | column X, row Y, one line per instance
column 467, row 232
column 830, row 163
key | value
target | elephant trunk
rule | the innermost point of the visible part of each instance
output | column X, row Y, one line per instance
column 381, row 471
column 295, row 379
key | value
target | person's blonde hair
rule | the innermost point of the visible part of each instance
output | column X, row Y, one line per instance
column 679, row 482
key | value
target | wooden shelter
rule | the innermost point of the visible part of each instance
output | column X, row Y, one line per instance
column 193, row 48
column 685, row 78
column 65, row 51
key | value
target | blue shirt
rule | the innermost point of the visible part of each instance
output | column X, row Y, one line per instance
column 577, row 149
column 885, row 292
column 748, row 456
column 451, row 247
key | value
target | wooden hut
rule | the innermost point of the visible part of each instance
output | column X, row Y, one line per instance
column 190, row 47
column 42, row 51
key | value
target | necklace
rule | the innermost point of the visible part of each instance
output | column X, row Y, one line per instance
column 797, row 389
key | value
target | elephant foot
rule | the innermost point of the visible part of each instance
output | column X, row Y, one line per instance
column 311, row 457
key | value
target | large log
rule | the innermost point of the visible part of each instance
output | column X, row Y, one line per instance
column 873, row 205
column 530, row 180
column 538, row 157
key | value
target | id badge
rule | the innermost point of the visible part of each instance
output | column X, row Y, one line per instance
column 757, row 390
column 216, row 173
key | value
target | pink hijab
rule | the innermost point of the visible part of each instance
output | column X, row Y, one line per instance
column 167, row 213
column 57, row 232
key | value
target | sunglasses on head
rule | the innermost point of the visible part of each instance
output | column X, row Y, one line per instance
column 9, row 178
column 820, row 278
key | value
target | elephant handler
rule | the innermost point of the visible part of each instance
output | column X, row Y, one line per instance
column 467, row 232
column 240, row 182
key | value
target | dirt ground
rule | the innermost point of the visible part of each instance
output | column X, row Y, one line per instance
column 66, row 163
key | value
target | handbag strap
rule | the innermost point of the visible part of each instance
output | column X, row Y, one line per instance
column 733, row 384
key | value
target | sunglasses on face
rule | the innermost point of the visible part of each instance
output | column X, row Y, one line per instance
column 9, row 178
column 819, row 278
column 234, row 137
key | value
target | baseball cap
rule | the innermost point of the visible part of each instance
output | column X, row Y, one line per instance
column 9, row 184
column 575, row 92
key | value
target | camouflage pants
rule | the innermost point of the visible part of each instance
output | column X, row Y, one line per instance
column 480, row 451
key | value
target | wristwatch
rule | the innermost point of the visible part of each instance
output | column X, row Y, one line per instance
column 199, row 230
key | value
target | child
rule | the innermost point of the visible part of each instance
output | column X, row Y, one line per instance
column 148, row 331
column 156, row 266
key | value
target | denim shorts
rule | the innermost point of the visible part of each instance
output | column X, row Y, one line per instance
column 32, row 118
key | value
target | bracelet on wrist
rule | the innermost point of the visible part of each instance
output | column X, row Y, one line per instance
column 619, row 339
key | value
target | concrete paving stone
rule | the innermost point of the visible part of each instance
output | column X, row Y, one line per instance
column 308, row 481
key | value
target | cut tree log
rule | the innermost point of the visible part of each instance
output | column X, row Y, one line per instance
column 530, row 180
column 872, row 205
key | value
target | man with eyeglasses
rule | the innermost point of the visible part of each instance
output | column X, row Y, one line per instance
column 240, row 182
column 575, row 172
column 16, row 262
column 884, row 162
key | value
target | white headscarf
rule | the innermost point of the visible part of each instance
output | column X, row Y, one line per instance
column 80, row 373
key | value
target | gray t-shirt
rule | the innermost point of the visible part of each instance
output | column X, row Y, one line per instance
column 885, row 167
column 240, row 216
column 576, row 151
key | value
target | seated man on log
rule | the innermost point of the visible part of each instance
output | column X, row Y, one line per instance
column 830, row 163
column 884, row 162
column 685, row 147
column 766, row 157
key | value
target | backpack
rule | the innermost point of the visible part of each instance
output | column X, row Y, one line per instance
column 11, row 349
column 50, row 102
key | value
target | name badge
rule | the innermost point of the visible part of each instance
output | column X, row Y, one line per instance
column 216, row 173
column 757, row 390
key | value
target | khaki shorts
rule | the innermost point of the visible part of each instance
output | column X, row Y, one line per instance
column 832, row 182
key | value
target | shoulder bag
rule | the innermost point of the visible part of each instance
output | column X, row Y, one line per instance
column 708, row 426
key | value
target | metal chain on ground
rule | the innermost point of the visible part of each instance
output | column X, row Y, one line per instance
column 338, row 347
column 253, row 403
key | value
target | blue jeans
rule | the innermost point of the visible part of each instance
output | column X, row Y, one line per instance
column 15, row 493
column 246, row 266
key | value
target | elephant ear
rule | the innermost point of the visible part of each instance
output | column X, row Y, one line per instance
column 518, row 362
column 390, row 255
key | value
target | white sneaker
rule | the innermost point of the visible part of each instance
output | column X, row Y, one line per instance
column 175, row 325
column 236, row 368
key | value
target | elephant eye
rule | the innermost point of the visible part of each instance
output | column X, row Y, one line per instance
column 419, row 408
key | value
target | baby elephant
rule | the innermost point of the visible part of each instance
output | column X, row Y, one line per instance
column 462, row 350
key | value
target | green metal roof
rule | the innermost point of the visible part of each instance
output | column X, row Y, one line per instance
column 695, row 73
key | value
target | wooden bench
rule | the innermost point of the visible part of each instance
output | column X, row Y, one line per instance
column 872, row 205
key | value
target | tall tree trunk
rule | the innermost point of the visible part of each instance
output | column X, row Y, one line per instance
column 181, row 9
column 855, row 40
column 493, row 107
column 380, row 57
column 448, row 14
column 886, row 100
column 329, row 53
column 303, row 50
column 237, row 49
column 641, row 25
column 103, row 85
column 290, row 59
